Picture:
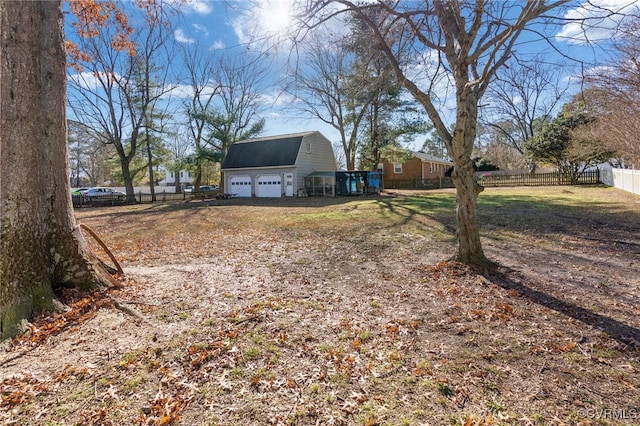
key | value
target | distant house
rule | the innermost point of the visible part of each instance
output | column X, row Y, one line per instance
column 275, row 166
column 414, row 172
column 186, row 177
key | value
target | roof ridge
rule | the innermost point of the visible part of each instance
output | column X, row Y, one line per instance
column 284, row 136
column 424, row 156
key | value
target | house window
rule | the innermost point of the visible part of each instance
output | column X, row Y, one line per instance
column 397, row 168
column 308, row 147
column 380, row 167
column 171, row 175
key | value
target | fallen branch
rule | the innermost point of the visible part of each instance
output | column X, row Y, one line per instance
column 104, row 246
column 118, row 304
column 96, row 261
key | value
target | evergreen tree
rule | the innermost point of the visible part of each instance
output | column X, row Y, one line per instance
column 563, row 142
column 390, row 117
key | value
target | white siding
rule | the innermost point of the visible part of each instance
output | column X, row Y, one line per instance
column 319, row 158
column 254, row 173
column 170, row 179
column 315, row 154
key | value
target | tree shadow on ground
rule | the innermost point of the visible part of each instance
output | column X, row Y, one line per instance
column 534, row 214
column 570, row 232
column 529, row 215
column 440, row 209
column 625, row 334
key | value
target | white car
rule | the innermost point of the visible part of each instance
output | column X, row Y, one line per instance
column 203, row 188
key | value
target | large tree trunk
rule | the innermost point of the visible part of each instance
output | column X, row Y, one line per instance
column 460, row 147
column 40, row 248
column 469, row 247
column 467, row 188
column 125, row 162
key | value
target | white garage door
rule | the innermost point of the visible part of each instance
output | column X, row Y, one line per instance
column 241, row 186
column 269, row 186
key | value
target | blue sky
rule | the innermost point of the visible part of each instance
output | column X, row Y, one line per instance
column 219, row 27
column 236, row 26
column 231, row 26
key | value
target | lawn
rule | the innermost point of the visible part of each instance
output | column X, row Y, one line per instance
column 346, row 311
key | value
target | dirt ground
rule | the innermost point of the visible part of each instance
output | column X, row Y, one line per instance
column 346, row 312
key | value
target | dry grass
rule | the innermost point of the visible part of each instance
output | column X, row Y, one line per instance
column 342, row 311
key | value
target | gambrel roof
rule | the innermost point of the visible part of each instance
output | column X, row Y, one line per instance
column 272, row 151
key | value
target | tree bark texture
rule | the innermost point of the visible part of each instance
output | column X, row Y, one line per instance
column 467, row 189
column 40, row 248
column 460, row 147
column 472, row 40
column 469, row 246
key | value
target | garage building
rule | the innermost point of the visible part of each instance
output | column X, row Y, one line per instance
column 275, row 166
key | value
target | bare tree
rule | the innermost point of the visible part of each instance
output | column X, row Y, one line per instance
column 614, row 96
column 200, row 72
column 121, row 81
column 224, row 104
column 179, row 146
column 524, row 96
column 236, row 114
column 152, row 85
column 40, row 246
column 391, row 116
column 321, row 90
column 505, row 156
column 87, row 156
column 349, row 85
column 470, row 42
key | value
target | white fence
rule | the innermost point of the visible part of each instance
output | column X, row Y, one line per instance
column 626, row 179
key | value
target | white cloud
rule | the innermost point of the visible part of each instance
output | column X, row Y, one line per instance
column 277, row 23
column 84, row 80
column 185, row 91
column 181, row 91
column 202, row 29
column 217, row 45
column 595, row 21
column 181, row 37
column 91, row 81
column 579, row 78
column 201, row 7
column 265, row 19
column 276, row 99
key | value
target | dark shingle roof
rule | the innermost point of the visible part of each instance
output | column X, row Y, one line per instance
column 266, row 152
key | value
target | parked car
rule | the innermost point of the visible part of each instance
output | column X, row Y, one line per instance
column 102, row 195
column 208, row 188
column 78, row 191
column 202, row 188
column 77, row 198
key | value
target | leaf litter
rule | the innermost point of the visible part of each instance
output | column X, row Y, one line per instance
column 251, row 320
